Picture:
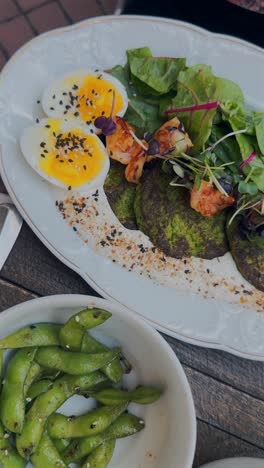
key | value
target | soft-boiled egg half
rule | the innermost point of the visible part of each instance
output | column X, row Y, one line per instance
column 85, row 95
column 66, row 153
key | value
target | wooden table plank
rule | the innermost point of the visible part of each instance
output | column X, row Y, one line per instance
column 33, row 267
column 11, row 295
column 214, row 444
column 243, row 374
column 226, row 408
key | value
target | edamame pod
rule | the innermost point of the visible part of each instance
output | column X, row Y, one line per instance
column 141, row 395
column 47, row 403
column 94, row 422
column 74, row 363
column 47, row 455
column 41, row 334
column 9, row 458
column 2, row 351
column 37, row 388
column 12, row 409
column 113, row 370
column 72, row 333
column 33, row 373
column 124, row 426
column 101, row 456
column 61, row 444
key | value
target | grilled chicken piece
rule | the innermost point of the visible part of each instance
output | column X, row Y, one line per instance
column 208, row 200
column 172, row 136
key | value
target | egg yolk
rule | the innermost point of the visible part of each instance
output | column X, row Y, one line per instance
column 74, row 158
column 95, row 98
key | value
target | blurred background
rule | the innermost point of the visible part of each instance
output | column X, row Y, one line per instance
column 20, row 20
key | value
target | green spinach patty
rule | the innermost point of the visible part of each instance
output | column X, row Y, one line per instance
column 121, row 195
column 248, row 254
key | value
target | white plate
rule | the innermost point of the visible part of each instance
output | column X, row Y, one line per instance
column 242, row 462
column 170, row 434
column 97, row 43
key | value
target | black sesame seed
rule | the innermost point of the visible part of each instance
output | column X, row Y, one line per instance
column 42, row 144
column 37, row 120
column 61, row 102
column 51, row 108
column 61, row 161
column 84, row 167
column 91, row 130
column 45, row 151
column 67, row 107
column 110, row 90
column 74, row 228
column 47, row 126
column 57, row 156
column 75, row 86
column 53, row 97
column 70, row 160
column 38, row 102
column 76, row 114
column 64, row 94
column 103, row 113
column 69, row 188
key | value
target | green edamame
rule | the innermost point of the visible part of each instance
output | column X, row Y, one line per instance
column 37, row 388
column 113, row 370
column 34, row 371
column 124, row 426
column 12, row 409
column 72, row 333
column 9, row 458
column 2, row 351
column 61, row 444
column 101, row 456
column 45, row 404
column 72, row 362
column 141, row 395
column 47, row 455
column 41, row 334
column 94, row 422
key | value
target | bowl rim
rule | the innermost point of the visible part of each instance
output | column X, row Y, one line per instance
column 78, row 300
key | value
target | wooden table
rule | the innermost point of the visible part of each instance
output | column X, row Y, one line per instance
column 228, row 391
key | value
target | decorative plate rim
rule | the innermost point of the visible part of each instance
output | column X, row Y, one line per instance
column 105, row 19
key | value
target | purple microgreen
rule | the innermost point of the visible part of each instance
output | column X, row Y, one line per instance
column 107, row 124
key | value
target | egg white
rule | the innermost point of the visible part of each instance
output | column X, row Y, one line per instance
column 32, row 137
column 54, row 101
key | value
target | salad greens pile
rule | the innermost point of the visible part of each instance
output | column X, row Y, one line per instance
column 210, row 109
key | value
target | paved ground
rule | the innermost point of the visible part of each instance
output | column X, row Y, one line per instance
column 20, row 20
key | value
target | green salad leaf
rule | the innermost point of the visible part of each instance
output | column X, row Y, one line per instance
column 153, row 75
column 196, row 85
column 142, row 112
column 226, row 151
column 258, row 119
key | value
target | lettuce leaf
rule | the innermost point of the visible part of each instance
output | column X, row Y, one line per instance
column 197, row 85
column 153, row 75
column 258, row 119
column 142, row 112
column 248, row 144
column 226, row 151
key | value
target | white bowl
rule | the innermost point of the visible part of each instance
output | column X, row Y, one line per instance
column 168, row 440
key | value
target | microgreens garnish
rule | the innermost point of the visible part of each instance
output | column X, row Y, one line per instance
column 107, row 124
